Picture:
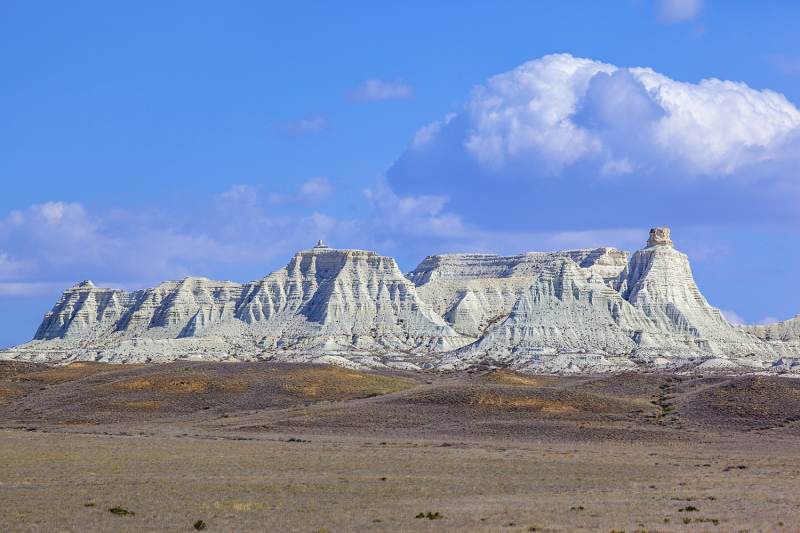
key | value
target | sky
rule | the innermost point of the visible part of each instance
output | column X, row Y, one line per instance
column 147, row 141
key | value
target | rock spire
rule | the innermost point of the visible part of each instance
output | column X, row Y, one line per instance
column 659, row 237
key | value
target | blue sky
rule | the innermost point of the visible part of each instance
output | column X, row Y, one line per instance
column 145, row 141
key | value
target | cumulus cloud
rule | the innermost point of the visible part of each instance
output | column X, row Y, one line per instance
column 413, row 215
column 63, row 243
column 413, row 226
column 376, row 89
column 671, row 11
column 558, row 109
column 47, row 247
column 586, row 134
column 310, row 124
column 525, row 114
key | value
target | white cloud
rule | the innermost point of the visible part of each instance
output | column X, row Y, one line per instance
column 429, row 132
column 732, row 317
column 310, row 124
column 525, row 113
column 717, row 127
column 550, row 113
column 623, row 166
column 422, row 223
column 59, row 241
column 27, row 290
column 376, row 89
column 310, row 193
column 670, row 11
column 412, row 216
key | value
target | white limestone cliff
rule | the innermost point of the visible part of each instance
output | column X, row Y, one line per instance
column 563, row 310
column 587, row 310
column 474, row 291
column 786, row 331
column 658, row 281
column 324, row 299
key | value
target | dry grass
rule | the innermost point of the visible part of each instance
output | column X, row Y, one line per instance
column 362, row 484
column 94, row 393
column 508, row 377
column 74, row 372
column 173, row 385
column 271, row 447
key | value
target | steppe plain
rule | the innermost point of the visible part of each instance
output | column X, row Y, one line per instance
column 312, row 448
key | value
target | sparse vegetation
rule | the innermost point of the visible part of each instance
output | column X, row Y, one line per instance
column 430, row 516
column 200, row 525
column 120, row 511
column 688, row 508
column 517, row 454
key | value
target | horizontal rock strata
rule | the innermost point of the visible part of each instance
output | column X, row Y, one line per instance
column 588, row 310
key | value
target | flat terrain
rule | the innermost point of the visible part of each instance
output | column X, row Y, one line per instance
column 278, row 447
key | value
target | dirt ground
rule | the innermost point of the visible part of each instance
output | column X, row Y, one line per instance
column 270, row 447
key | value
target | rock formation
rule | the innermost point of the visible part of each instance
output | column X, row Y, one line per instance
column 575, row 310
column 786, row 331
column 324, row 299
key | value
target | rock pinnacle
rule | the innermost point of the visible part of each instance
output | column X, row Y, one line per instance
column 659, row 237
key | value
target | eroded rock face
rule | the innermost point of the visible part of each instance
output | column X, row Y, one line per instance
column 786, row 331
column 324, row 299
column 576, row 310
column 659, row 237
column 475, row 291
column 82, row 311
column 562, row 310
column 658, row 282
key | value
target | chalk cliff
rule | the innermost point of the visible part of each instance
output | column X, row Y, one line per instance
column 574, row 310
column 324, row 299
column 786, row 331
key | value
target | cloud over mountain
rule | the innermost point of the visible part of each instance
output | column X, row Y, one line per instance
column 561, row 152
column 584, row 133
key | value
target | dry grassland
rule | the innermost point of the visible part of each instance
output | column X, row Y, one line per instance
column 318, row 449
